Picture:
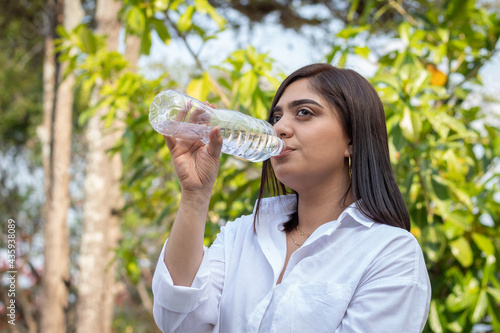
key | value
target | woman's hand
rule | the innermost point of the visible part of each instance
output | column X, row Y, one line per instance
column 196, row 166
column 195, row 163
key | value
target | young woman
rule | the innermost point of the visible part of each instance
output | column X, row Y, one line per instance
column 335, row 255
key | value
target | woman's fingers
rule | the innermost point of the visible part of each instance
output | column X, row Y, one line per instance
column 183, row 112
column 211, row 105
column 215, row 144
column 170, row 142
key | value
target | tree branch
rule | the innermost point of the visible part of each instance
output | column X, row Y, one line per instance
column 399, row 8
column 214, row 83
column 144, row 296
column 184, row 39
column 473, row 72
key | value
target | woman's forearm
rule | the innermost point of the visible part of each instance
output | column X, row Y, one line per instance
column 184, row 249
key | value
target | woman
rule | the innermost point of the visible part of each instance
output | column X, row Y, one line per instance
column 333, row 256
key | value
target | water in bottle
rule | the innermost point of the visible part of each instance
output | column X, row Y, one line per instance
column 173, row 113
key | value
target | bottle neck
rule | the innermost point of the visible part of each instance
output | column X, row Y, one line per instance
column 281, row 146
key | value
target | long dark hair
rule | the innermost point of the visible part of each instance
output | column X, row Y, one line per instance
column 362, row 118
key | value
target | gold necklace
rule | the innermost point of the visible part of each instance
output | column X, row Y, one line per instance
column 301, row 232
column 293, row 239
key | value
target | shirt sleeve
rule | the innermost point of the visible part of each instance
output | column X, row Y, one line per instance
column 394, row 294
column 194, row 308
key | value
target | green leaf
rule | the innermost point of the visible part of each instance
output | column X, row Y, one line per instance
column 352, row 10
column 436, row 319
column 109, row 117
column 248, row 85
column 368, row 8
column 480, row 308
column 186, row 20
column 404, row 32
column 439, row 188
column 203, row 6
column 484, row 243
column 401, row 59
column 161, row 5
column 145, row 42
column 62, row 32
column 456, row 326
column 133, row 271
column 460, row 219
column 433, row 241
column 362, row 51
column 461, row 250
column 417, row 41
column 463, row 196
column 456, row 169
column 87, row 40
column 351, row 32
column 330, row 56
column 162, row 30
column 457, row 10
column 439, row 53
column 343, row 59
column 136, row 20
column 495, row 293
column 418, row 80
column 175, row 4
column 90, row 112
column 460, row 299
column 384, row 78
column 259, row 108
column 199, row 88
column 444, row 34
column 411, row 125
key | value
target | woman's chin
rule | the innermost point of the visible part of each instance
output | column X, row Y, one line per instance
column 290, row 182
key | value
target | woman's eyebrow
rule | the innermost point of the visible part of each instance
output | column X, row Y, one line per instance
column 303, row 101
column 276, row 109
column 295, row 103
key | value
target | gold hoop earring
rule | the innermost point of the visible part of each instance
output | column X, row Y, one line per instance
column 350, row 168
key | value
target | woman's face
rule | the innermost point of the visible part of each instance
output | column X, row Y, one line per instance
column 316, row 144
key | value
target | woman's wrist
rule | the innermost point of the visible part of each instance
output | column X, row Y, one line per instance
column 197, row 198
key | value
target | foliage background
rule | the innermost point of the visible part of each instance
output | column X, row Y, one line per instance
column 445, row 147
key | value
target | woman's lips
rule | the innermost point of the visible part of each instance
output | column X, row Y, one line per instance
column 288, row 150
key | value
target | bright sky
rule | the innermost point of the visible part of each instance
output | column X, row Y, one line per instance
column 292, row 51
column 289, row 50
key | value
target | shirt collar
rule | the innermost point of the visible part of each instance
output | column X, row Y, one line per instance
column 283, row 204
column 286, row 204
column 354, row 212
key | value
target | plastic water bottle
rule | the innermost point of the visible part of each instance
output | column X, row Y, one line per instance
column 173, row 113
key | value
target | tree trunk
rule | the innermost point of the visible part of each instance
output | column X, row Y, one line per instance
column 101, row 230
column 55, row 134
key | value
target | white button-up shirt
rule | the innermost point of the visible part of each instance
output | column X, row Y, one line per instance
column 351, row 275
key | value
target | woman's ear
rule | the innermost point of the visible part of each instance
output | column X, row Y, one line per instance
column 348, row 151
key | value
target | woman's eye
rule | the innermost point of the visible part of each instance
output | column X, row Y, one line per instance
column 274, row 119
column 304, row 112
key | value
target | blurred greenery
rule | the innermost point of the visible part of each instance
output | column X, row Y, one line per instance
column 444, row 151
column 21, row 60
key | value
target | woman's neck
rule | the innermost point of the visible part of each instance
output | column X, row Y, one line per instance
column 321, row 205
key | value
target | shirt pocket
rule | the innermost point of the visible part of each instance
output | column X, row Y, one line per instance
column 317, row 306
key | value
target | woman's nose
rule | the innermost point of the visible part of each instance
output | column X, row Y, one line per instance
column 283, row 128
